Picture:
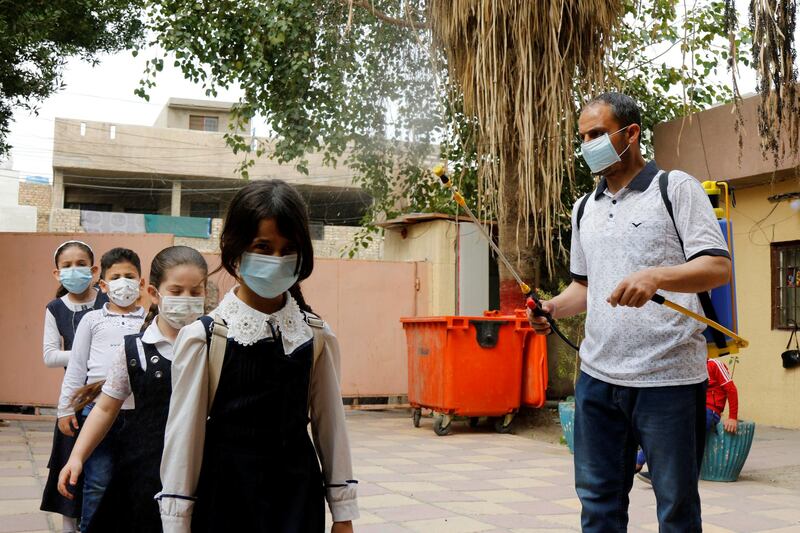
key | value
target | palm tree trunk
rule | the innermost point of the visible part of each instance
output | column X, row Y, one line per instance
column 514, row 241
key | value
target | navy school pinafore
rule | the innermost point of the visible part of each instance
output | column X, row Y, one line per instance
column 67, row 322
column 260, row 472
column 128, row 505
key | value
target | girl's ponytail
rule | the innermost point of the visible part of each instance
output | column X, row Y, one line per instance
column 151, row 315
column 61, row 291
column 297, row 294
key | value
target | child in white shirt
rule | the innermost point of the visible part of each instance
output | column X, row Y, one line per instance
column 75, row 272
column 98, row 339
column 142, row 368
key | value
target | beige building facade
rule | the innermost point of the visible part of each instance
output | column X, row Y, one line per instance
column 182, row 166
column 766, row 236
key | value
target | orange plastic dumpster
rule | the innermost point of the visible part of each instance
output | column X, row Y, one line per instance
column 471, row 367
column 534, row 371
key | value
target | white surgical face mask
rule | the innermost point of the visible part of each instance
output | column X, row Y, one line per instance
column 123, row 291
column 180, row 311
column 268, row 276
column 600, row 154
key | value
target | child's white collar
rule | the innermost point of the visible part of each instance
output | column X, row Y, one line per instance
column 247, row 326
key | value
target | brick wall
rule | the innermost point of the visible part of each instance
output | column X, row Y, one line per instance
column 340, row 239
column 210, row 245
column 39, row 196
column 64, row 220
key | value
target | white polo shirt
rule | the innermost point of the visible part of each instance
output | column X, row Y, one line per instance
column 97, row 340
column 623, row 233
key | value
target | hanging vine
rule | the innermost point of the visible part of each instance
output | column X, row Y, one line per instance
column 516, row 64
column 773, row 24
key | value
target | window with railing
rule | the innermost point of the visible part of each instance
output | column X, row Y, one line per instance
column 204, row 209
column 785, row 284
column 203, row 123
column 88, row 206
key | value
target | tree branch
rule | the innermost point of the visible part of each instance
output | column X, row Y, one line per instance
column 380, row 15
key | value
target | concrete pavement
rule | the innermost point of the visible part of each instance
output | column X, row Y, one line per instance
column 473, row 480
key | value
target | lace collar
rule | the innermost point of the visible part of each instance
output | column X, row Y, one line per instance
column 247, row 326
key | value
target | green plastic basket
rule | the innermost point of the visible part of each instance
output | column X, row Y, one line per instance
column 566, row 413
column 726, row 453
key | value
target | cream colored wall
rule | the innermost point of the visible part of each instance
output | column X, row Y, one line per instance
column 435, row 243
column 171, row 153
column 767, row 392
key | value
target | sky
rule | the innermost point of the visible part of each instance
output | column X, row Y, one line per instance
column 105, row 93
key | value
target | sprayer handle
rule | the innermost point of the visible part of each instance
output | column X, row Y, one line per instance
column 535, row 305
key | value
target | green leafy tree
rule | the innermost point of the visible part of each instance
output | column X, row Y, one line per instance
column 354, row 81
column 38, row 36
column 364, row 83
column 673, row 64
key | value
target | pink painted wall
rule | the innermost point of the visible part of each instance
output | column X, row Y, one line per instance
column 26, row 266
column 361, row 300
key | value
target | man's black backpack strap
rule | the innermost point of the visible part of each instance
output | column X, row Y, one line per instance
column 663, row 186
column 705, row 297
column 582, row 208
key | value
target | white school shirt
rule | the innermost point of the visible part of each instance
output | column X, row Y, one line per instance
column 118, row 384
column 54, row 356
column 97, row 340
column 186, row 425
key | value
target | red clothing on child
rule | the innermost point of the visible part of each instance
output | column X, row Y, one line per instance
column 721, row 388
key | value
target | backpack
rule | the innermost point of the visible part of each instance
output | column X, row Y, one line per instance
column 705, row 297
column 219, row 341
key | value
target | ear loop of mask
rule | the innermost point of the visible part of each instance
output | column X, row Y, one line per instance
column 629, row 144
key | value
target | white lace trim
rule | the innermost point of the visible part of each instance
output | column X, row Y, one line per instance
column 247, row 326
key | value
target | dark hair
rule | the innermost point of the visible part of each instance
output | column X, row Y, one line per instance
column 624, row 108
column 163, row 262
column 264, row 199
column 116, row 256
column 63, row 247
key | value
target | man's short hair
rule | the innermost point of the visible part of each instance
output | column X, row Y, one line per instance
column 624, row 108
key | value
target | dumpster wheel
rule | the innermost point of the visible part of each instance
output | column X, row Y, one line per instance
column 503, row 425
column 417, row 416
column 442, row 425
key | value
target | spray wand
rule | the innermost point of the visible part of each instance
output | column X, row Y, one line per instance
column 533, row 303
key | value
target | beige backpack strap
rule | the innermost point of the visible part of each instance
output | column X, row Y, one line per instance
column 317, row 326
column 216, row 356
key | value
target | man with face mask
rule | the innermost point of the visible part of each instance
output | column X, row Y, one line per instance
column 643, row 366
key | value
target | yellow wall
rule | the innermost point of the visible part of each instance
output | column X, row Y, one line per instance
column 433, row 242
column 768, row 394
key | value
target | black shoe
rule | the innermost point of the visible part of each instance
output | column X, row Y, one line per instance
column 646, row 477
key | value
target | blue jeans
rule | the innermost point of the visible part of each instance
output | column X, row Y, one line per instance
column 712, row 419
column 610, row 423
column 98, row 469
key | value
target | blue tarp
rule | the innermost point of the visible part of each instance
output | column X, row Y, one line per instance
column 178, row 226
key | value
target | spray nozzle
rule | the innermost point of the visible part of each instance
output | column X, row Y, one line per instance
column 440, row 171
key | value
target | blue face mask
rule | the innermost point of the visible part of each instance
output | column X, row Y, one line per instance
column 600, row 154
column 268, row 276
column 76, row 279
